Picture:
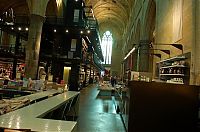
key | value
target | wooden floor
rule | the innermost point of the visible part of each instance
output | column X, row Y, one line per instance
column 97, row 113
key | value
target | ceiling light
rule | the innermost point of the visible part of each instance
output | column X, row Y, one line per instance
column 54, row 30
column 19, row 28
column 88, row 31
column 76, row 0
column 12, row 28
column 67, row 31
column 26, row 29
column 81, row 32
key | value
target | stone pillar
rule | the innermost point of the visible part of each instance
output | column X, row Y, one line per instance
column 134, row 61
column 33, row 46
column 195, row 55
column 143, row 56
column 117, row 57
column 37, row 12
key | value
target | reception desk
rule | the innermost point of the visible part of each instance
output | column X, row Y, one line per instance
column 29, row 117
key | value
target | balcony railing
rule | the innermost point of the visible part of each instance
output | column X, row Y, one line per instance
column 10, row 49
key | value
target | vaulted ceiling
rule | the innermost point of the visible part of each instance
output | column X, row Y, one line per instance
column 111, row 15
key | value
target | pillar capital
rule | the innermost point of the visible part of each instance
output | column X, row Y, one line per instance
column 33, row 45
column 37, row 7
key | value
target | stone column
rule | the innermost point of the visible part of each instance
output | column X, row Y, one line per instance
column 117, row 57
column 134, row 60
column 33, row 46
column 195, row 55
column 143, row 56
column 37, row 11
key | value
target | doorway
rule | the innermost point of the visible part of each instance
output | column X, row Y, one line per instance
column 66, row 74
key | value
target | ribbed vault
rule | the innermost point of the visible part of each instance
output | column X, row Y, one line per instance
column 111, row 15
column 20, row 7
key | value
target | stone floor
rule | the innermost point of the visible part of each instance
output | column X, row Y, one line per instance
column 97, row 113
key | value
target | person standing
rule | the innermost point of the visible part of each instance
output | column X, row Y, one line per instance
column 112, row 81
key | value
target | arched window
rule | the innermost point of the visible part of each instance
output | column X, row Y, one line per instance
column 106, row 47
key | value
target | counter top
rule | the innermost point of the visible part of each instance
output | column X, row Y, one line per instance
column 27, row 117
column 38, row 95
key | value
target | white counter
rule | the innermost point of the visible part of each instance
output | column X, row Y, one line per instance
column 26, row 118
column 38, row 95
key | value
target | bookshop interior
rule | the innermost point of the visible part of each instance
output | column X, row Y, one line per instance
column 99, row 65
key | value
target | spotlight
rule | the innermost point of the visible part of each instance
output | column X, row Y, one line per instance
column 88, row 31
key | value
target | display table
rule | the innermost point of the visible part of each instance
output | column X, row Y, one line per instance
column 39, row 95
column 106, row 90
column 11, row 93
column 8, row 105
column 27, row 117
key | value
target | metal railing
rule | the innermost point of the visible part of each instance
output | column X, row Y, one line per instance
column 11, row 49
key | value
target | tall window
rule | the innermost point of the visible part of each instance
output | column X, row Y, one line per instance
column 106, row 47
